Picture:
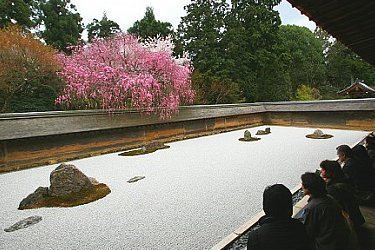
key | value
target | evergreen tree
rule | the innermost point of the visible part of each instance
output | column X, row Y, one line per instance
column 62, row 24
column 149, row 27
column 200, row 34
column 252, row 57
column 305, row 51
column 102, row 29
column 238, row 44
column 20, row 12
column 344, row 67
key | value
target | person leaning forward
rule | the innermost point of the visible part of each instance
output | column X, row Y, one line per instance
column 324, row 222
column 277, row 229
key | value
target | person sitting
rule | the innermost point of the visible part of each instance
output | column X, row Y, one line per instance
column 322, row 216
column 361, row 155
column 277, row 228
column 350, row 167
column 338, row 187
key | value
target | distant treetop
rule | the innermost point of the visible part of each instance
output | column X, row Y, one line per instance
column 149, row 27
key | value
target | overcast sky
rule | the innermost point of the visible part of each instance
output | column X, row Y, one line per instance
column 126, row 12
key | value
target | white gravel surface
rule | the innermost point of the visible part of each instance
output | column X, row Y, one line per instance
column 194, row 194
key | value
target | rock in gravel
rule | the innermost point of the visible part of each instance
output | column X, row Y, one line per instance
column 69, row 187
column 136, row 178
column 29, row 221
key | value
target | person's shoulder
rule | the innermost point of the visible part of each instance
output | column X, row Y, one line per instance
column 294, row 225
column 320, row 202
column 352, row 162
column 326, row 204
column 296, row 222
column 339, row 186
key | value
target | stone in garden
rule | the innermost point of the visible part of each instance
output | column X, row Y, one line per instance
column 247, row 137
column 247, row 134
column 136, row 178
column 93, row 181
column 146, row 149
column 69, row 187
column 38, row 197
column 318, row 134
column 29, row 221
column 264, row 132
column 154, row 145
column 66, row 179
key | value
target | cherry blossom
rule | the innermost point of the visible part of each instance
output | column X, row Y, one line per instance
column 122, row 73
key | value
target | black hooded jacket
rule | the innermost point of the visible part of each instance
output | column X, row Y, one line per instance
column 278, row 233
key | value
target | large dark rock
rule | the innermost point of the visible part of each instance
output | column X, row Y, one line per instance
column 67, row 179
column 69, row 187
column 37, row 197
column 29, row 221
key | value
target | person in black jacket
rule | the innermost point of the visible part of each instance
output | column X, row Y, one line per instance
column 322, row 216
column 358, row 174
column 277, row 229
column 350, row 166
column 361, row 155
column 338, row 187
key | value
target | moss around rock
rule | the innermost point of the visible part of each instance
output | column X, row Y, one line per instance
column 146, row 149
column 74, row 199
column 250, row 139
column 318, row 134
column 69, row 187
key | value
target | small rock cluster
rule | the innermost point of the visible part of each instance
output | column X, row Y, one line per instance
column 264, row 132
column 247, row 135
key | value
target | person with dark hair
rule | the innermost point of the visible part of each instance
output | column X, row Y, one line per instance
column 324, row 222
column 350, row 166
column 361, row 154
column 277, row 228
column 332, row 171
column 366, row 172
column 338, row 187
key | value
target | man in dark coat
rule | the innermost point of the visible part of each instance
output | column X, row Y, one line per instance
column 359, row 174
column 323, row 219
column 277, row 229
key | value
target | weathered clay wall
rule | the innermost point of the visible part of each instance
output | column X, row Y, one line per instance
column 33, row 151
column 33, row 139
column 354, row 120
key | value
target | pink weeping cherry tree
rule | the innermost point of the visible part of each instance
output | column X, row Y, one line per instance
column 122, row 73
